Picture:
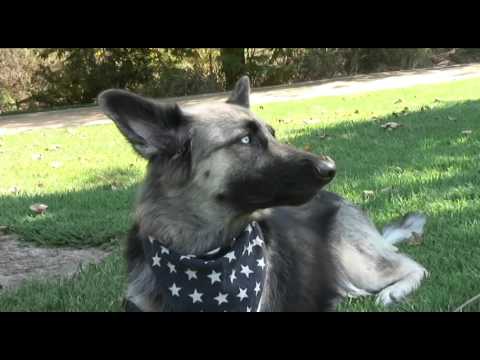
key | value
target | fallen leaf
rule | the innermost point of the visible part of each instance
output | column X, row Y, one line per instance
column 37, row 156
column 53, row 147
column 415, row 239
column 367, row 194
column 398, row 101
column 391, row 125
column 56, row 164
column 14, row 190
column 467, row 132
column 39, row 208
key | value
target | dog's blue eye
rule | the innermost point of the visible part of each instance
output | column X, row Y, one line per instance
column 245, row 140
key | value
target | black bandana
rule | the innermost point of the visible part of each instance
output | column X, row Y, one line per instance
column 224, row 279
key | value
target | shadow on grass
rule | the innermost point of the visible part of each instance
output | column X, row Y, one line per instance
column 428, row 155
column 94, row 216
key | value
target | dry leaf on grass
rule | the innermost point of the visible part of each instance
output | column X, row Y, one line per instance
column 391, row 125
column 415, row 239
column 53, row 147
column 14, row 190
column 39, row 208
column 56, row 164
column 367, row 194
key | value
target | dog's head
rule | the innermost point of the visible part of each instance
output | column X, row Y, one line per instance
column 220, row 154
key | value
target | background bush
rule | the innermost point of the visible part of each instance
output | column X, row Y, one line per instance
column 32, row 79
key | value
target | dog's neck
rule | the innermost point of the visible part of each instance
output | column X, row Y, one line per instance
column 186, row 230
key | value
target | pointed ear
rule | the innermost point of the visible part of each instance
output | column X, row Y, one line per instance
column 241, row 93
column 150, row 127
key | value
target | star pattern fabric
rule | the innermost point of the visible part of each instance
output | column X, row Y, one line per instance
column 224, row 279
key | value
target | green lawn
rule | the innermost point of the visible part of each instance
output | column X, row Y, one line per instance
column 426, row 165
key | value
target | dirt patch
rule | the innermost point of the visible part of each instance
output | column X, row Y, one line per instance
column 20, row 261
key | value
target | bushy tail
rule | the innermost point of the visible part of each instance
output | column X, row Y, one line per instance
column 404, row 228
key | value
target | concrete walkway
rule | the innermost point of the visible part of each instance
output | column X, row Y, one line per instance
column 13, row 124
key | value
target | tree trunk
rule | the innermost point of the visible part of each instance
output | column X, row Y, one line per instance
column 233, row 65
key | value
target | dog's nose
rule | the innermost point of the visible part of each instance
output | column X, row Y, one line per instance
column 325, row 168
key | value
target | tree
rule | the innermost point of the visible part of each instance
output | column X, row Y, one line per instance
column 233, row 65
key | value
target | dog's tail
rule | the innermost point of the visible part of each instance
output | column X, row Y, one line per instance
column 410, row 225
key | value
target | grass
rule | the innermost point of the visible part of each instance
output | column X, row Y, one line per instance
column 427, row 165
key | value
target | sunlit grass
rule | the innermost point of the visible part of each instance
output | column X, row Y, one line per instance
column 427, row 165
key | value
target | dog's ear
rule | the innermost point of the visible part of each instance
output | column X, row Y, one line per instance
column 241, row 93
column 150, row 127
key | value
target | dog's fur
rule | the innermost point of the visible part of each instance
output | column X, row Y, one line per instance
column 204, row 185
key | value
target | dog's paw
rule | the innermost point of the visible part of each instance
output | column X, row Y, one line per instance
column 391, row 295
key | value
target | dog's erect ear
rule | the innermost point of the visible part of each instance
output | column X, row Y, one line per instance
column 150, row 127
column 241, row 93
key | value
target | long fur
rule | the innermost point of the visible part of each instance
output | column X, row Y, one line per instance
column 203, row 185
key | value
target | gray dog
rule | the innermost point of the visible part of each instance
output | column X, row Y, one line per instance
column 217, row 174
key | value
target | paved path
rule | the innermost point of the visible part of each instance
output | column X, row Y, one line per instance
column 339, row 86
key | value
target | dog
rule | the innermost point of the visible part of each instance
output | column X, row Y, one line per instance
column 216, row 174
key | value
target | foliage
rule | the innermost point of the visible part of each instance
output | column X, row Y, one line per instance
column 42, row 78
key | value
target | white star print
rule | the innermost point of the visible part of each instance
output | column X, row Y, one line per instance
column 175, row 290
column 151, row 239
column 248, row 248
column 171, row 267
column 242, row 294
column 257, row 241
column 246, row 271
column 186, row 257
column 191, row 274
column 165, row 250
column 221, row 298
column 257, row 288
column 261, row 263
column 196, row 296
column 214, row 276
column 232, row 276
column 230, row 256
column 156, row 260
